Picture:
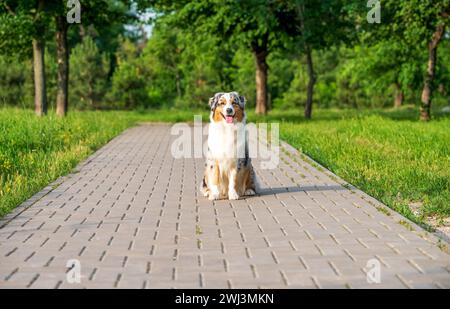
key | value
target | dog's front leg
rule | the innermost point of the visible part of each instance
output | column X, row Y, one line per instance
column 214, row 193
column 232, row 179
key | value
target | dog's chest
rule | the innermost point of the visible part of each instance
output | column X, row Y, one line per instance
column 222, row 141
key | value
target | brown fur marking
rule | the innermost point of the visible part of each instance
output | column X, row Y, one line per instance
column 239, row 113
column 218, row 113
column 216, row 174
column 244, row 180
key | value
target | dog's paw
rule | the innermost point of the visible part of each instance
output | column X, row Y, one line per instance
column 204, row 191
column 232, row 195
column 214, row 194
column 249, row 192
column 213, row 197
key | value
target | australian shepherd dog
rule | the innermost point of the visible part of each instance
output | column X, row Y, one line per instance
column 229, row 172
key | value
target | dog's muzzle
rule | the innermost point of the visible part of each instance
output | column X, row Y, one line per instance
column 229, row 117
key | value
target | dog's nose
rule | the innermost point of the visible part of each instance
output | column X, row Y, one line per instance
column 229, row 111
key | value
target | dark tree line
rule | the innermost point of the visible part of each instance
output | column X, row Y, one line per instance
column 200, row 46
column 26, row 24
column 265, row 25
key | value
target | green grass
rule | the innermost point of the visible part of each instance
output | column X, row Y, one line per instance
column 386, row 153
column 34, row 151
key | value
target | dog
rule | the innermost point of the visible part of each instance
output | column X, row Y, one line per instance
column 228, row 170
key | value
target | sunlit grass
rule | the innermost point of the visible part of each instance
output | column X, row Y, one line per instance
column 387, row 153
column 34, row 151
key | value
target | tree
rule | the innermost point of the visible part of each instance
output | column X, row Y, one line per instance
column 23, row 24
column 29, row 23
column 419, row 23
column 430, row 75
column 310, row 34
column 40, row 94
column 255, row 24
column 89, row 71
column 386, row 64
column 131, row 78
column 15, row 78
column 101, row 13
column 62, row 58
column 175, row 68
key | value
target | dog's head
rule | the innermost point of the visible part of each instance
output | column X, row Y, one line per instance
column 227, row 107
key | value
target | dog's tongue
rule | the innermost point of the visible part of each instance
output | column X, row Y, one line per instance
column 229, row 119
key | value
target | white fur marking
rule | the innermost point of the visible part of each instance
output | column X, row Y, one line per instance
column 232, row 194
column 215, row 193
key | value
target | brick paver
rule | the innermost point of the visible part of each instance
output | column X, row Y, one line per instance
column 133, row 216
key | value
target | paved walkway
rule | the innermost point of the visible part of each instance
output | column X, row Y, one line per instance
column 132, row 215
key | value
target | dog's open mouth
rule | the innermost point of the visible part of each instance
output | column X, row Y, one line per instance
column 228, row 118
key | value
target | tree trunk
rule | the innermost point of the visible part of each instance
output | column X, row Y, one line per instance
column 427, row 91
column 311, row 83
column 261, row 81
column 62, row 56
column 399, row 96
column 40, row 91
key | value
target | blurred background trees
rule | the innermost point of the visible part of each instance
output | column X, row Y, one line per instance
column 279, row 54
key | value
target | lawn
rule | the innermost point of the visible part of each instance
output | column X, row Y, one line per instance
column 386, row 153
column 34, row 152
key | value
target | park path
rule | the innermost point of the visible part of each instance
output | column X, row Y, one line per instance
column 132, row 216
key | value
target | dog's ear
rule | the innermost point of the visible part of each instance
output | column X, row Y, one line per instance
column 211, row 103
column 215, row 100
column 242, row 101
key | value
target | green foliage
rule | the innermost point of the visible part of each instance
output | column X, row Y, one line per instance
column 15, row 33
column 147, row 78
column 364, row 74
column 162, row 55
column 283, row 67
column 243, row 76
column 174, row 69
column 363, row 77
column 20, row 22
column 387, row 63
column 339, row 16
column 204, row 46
column 205, row 67
column 129, row 82
column 51, row 67
column 15, row 82
column 247, row 23
column 89, row 70
column 295, row 94
column 416, row 20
